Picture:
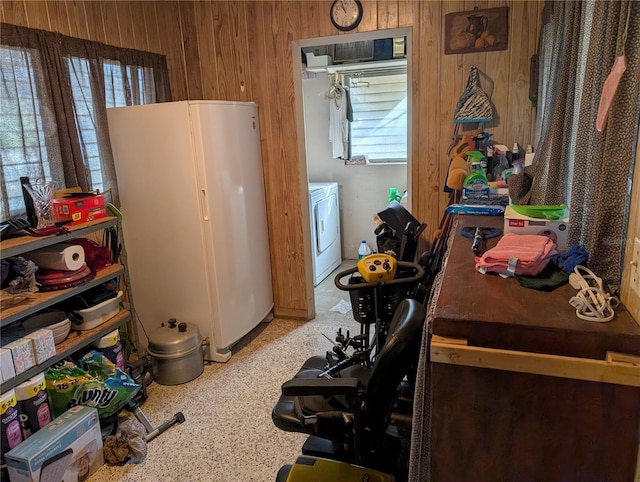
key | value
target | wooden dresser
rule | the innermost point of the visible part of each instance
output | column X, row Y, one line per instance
column 521, row 388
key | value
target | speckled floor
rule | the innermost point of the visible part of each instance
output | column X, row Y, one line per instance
column 228, row 435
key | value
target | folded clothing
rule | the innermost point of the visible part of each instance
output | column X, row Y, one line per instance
column 522, row 254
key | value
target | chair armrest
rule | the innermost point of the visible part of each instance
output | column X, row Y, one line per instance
column 320, row 386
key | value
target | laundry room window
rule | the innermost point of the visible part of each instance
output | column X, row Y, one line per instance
column 378, row 130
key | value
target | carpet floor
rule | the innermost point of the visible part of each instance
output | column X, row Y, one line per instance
column 228, row 435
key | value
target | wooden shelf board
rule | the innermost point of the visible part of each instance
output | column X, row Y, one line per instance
column 15, row 246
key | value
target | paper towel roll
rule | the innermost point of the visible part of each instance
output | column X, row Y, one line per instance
column 68, row 257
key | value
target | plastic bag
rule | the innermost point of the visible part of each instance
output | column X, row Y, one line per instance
column 97, row 383
column 128, row 445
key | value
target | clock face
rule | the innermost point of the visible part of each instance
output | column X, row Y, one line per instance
column 346, row 14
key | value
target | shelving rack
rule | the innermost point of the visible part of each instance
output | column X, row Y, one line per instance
column 36, row 302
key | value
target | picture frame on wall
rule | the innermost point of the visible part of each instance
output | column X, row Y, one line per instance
column 477, row 30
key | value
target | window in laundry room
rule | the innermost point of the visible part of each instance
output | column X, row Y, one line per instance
column 378, row 129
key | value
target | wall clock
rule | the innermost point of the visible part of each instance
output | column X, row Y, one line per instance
column 346, row 14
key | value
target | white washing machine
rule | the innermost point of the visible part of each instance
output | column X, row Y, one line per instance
column 324, row 209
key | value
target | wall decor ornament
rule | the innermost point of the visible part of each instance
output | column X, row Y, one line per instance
column 477, row 30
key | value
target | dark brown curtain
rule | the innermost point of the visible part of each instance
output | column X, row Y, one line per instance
column 65, row 62
column 575, row 164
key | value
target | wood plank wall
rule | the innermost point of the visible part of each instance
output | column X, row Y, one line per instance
column 242, row 51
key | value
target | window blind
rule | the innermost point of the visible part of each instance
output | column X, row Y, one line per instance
column 379, row 127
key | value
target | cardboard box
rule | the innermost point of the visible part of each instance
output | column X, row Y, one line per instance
column 79, row 210
column 7, row 371
column 557, row 229
column 23, row 354
column 69, row 448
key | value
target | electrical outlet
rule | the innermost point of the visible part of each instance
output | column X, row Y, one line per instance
column 635, row 267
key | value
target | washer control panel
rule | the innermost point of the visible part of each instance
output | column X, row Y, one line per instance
column 377, row 268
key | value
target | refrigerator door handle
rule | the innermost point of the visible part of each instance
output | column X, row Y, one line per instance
column 204, row 205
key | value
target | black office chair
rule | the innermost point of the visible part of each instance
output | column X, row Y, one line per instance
column 348, row 416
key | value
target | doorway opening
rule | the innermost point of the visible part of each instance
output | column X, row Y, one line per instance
column 363, row 183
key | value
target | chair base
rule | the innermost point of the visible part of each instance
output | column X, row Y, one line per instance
column 318, row 469
column 321, row 447
column 388, row 457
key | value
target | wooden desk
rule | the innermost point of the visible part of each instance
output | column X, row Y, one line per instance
column 522, row 397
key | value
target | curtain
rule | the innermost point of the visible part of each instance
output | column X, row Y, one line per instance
column 575, row 164
column 79, row 83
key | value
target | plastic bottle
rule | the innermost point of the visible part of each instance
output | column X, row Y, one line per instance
column 363, row 250
column 394, row 195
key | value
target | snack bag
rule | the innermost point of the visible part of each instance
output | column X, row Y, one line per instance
column 96, row 383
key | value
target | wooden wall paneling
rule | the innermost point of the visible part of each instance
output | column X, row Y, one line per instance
column 521, row 47
column 13, row 12
column 497, row 67
column 258, row 57
column 369, row 16
column 95, row 21
column 426, row 172
column 409, row 16
column 77, row 19
column 223, row 46
column 37, row 15
column 207, row 48
column 191, row 51
column 478, row 59
column 408, row 13
column 259, row 60
column 139, row 25
column 387, row 14
column 314, row 20
column 240, row 50
column 111, row 23
column 168, row 13
column 125, row 24
column 285, row 199
column 151, row 22
column 451, row 82
column 58, row 17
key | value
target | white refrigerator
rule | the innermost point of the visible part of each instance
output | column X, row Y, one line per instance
column 194, row 221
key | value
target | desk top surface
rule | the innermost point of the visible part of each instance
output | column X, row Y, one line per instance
column 491, row 311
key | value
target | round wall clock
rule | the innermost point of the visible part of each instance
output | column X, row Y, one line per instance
column 346, row 14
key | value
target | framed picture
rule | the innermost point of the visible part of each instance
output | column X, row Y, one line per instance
column 478, row 30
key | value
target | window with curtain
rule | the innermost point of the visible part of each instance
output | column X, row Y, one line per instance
column 579, row 161
column 379, row 105
column 54, row 92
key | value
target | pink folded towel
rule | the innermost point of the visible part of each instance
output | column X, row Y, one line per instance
column 523, row 254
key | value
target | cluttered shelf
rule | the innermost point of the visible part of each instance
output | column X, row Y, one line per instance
column 73, row 342
column 34, row 302
column 15, row 246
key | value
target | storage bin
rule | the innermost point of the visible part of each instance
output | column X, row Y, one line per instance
column 89, row 318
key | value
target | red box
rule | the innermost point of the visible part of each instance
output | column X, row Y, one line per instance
column 79, row 209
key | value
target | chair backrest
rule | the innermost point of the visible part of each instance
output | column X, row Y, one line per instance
column 400, row 351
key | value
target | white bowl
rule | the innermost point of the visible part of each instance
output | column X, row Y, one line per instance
column 51, row 320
